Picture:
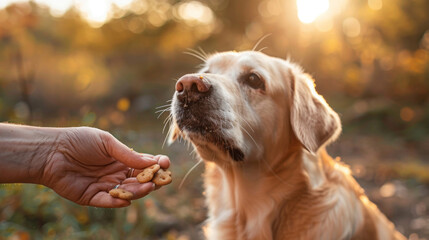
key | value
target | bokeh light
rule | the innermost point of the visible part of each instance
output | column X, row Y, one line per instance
column 310, row 10
column 407, row 114
column 96, row 12
column 387, row 190
column 375, row 4
column 195, row 12
column 123, row 104
column 57, row 8
column 351, row 27
column 113, row 64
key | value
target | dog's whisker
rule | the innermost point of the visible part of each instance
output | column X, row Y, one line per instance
column 200, row 66
column 162, row 112
column 189, row 172
column 194, row 153
column 260, row 40
column 248, row 124
column 262, row 49
column 242, row 128
column 203, row 53
column 166, row 136
column 274, row 173
column 167, row 121
column 162, row 106
column 196, row 55
column 182, row 136
column 199, row 52
column 169, row 118
column 166, row 108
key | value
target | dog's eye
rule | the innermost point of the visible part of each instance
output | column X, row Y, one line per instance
column 254, row 81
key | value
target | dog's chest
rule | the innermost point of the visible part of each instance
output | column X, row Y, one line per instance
column 235, row 211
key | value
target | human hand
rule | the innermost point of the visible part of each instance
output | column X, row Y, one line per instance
column 89, row 162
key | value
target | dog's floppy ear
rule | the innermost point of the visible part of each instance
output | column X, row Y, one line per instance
column 313, row 121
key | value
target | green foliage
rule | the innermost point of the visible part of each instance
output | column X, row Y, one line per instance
column 413, row 170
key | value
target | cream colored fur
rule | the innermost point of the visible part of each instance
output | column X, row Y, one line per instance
column 287, row 186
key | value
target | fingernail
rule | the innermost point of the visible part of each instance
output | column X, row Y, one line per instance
column 164, row 157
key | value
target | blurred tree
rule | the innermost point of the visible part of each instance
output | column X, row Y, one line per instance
column 370, row 59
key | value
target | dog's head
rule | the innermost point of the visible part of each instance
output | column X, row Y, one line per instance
column 243, row 106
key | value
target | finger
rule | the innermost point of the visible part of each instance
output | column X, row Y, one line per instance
column 138, row 189
column 104, row 200
column 130, row 180
column 163, row 161
column 135, row 173
column 134, row 180
column 124, row 154
column 148, row 155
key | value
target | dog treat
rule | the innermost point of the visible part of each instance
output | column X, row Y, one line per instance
column 147, row 173
column 121, row 193
column 162, row 177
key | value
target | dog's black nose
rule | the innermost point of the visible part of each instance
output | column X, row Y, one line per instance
column 192, row 87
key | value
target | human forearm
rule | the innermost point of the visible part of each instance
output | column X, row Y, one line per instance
column 24, row 151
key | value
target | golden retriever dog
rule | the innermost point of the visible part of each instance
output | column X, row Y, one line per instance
column 261, row 129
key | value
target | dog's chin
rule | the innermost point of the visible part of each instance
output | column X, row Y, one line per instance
column 216, row 141
column 202, row 127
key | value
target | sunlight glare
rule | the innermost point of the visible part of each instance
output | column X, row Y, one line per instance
column 5, row 3
column 351, row 27
column 122, row 3
column 195, row 11
column 56, row 8
column 95, row 11
column 375, row 4
column 309, row 10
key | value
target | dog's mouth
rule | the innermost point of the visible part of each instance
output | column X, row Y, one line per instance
column 203, row 122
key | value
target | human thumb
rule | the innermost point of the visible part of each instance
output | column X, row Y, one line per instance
column 126, row 155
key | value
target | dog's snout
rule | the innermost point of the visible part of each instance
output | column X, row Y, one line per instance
column 193, row 84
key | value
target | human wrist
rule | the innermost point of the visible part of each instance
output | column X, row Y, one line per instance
column 24, row 151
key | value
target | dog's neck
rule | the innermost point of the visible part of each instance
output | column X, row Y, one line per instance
column 243, row 197
column 246, row 197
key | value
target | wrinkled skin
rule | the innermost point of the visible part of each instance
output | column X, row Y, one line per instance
column 81, row 164
column 88, row 162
